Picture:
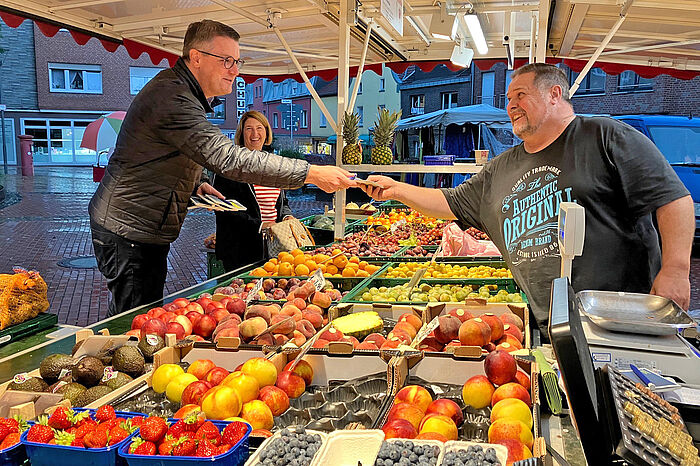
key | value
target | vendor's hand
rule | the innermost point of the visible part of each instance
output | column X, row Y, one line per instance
column 206, row 188
column 388, row 190
column 329, row 178
column 266, row 225
column 673, row 284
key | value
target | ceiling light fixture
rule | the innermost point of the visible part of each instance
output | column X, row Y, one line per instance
column 477, row 34
column 441, row 24
column 462, row 55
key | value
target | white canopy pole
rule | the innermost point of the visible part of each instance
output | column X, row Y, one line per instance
column 533, row 37
column 360, row 69
column 601, row 47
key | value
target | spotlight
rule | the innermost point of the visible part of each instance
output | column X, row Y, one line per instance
column 461, row 55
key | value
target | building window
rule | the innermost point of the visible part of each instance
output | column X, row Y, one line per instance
column 359, row 89
column 629, row 81
column 139, row 76
column 304, row 124
column 449, row 100
column 84, row 79
column 417, row 104
column 322, row 122
column 57, row 142
column 593, row 83
column 382, row 84
column 488, row 88
column 361, row 113
column 275, row 120
column 219, row 114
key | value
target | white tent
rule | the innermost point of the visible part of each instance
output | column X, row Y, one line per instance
column 473, row 114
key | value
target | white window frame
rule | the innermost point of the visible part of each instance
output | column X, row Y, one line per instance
column 361, row 113
column 47, row 127
column 67, row 67
column 143, row 68
column 304, row 115
column 417, row 99
column 322, row 122
column 382, row 85
column 275, row 120
column 450, row 100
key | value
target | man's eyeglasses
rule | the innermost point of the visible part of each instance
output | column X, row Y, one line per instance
column 228, row 61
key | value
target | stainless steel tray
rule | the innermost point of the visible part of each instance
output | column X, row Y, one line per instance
column 633, row 312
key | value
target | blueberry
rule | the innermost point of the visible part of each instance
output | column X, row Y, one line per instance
column 408, row 444
column 394, row 455
column 471, row 462
column 418, row 449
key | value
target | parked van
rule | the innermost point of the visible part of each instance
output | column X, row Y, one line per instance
column 678, row 138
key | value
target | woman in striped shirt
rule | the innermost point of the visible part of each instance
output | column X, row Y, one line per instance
column 239, row 235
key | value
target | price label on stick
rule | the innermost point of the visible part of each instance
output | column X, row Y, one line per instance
column 395, row 226
column 425, row 331
column 318, row 280
column 254, row 292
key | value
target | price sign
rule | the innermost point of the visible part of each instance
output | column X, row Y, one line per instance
column 64, row 372
column 151, row 339
column 109, row 374
column 425, row 331
column 254, row 293
column 395, row 226
column 318, row 280
column 20, row 378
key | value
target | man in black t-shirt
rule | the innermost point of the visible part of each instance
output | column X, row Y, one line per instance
column 612, row 170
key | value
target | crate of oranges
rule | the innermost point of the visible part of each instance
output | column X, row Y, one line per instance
column 298, row 263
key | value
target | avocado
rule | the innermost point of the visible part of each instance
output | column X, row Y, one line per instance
column 51, row 367
column 88, row 371
column 150, row 346
column 128, row 359
column 71, row 391
column 90, row 395
column 119, row 380
column 32, row 384
column 105, row 357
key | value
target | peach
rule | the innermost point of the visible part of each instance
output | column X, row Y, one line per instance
column 511, row 390
column 314, row 318
column 511, row 340
column 401, row 335
column 406, row 327
column 500, row 367
column 194, row 307
column 219, row 314
column 249, row 328
column 509, row 329
column 176, row 329
column 291, row 384
column 439, row 424
column 407, row 411
column 194, row 392
column 227, row 332
column 432, row 343
column 134, row 333
column 266, row 339
column 257, row 414
column 512, row 319
column 236, row 306
column 477, row 392
column 412, row 319
column 298, row 338
column 399, row 428
column 200, row 368
column 306, row 328
column 523, row 379
column 495, row 324
column 447, row 408
column 205, row 326
column 291, row 311
column 352, row 340
column 185, row 322
column 281, row 339
column 376, row 338
column 186, row 410
column 462, row 314
column 391, row 343
column 258, row 310
column 303, row 369
column 512, row 408
column 216, row 376
column 221, row 402
column 517, row 450
column 181, row 302
column 261, row 369
column 321, row 300
column 299, row 303
column 153, row 313
column 448, row 329
column 416, row 395
column 313, row 308
column 193, row 317
column 275, row 398
column 332, row 334
column 472, row 333
column 287, row 326
column 507, row 347
column 513, row 429
column 431, row 436
column 245, row 385
column 139, row 320
column 320, row 343
column 367, row 345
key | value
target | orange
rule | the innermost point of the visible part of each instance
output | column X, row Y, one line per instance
column 355, row 259
column 322, row 267
column 285, row 269
column 353, row 265
column 269, row 266
column 299, row 259
column 363, row 265
column 318, row 258
column 336, row 251
column 274, row 260
column 371, row 268
column 348, row 272
column 340, row 261
column 259, row 272
column 297, row 251
column 362, row 273
column 311, row 265
column 331, row 269
column 301, row 270
column 286, row 257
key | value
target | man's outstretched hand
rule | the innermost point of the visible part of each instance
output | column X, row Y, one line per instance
column 329, row 178
column 388, row 188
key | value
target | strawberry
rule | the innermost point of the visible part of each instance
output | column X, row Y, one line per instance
column 177, row 429
column 206, row 448
column 167, row 445
column 77, row 442
column 117, row 434
column 195, row 420
column 105, row 413
column 137, row 421
column 234, row 432
column 185, row 447
column 61, row 418
column 86, row 426
column 10, row 440
column 141, row 447
column 81, row 418
column 209, row 431
column 223, row 448
column 40, row 432
column 153, row 429
column 4, row 432
column 98, row 438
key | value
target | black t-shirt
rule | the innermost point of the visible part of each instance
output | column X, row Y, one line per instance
column 608, row 167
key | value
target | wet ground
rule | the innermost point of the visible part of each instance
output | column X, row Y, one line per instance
column 44, row 220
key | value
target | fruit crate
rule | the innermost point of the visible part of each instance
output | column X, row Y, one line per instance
column 494, row 264
column 402, row 257
column 256, row 458
column 16, row 455
column 354, row 296
column 236, row 456
column 342, row 284
column 41, row 454
column 322, row 235
column 28, row 327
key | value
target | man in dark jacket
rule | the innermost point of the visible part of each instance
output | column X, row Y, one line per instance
column 165, row 140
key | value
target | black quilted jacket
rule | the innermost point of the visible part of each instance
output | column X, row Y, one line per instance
column 164, row 142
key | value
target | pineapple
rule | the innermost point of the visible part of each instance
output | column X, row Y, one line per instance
column 383, row 135
column 352, row 151
column 359, row 324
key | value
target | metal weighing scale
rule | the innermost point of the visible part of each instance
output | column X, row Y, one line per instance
column 671, row 355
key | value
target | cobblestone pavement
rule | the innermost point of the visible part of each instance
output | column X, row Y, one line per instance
column 50, row 223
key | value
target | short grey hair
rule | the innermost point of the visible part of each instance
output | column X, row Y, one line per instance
column 204, row 31
column 546, row 76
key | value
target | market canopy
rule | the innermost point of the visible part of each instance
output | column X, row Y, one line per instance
column 473, row 114
column 650, row 36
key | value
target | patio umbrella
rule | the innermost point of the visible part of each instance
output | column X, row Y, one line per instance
column 102, row 133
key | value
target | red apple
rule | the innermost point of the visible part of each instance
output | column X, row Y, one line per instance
column 176, row 329
column 194, row 392
column 170, row 307
column 167, row 316
column 303, row 369
column 236, row 306
column 205, row 326
column 155, row 312
column 153, row 327
column 195, row 307
column 181, row 302
column 193, row 316
column 219, row 314
column 291, row 384
column 185, row 322
column 138, row 321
